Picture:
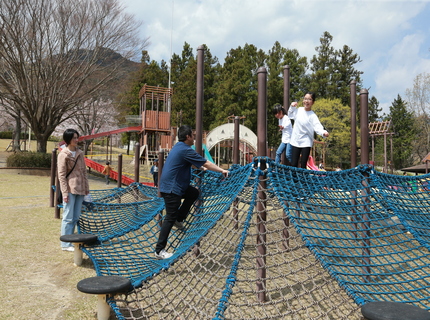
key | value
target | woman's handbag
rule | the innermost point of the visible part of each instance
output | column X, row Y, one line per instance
column 60, row 194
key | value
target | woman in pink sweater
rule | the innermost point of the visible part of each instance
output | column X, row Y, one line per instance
column 72, row 175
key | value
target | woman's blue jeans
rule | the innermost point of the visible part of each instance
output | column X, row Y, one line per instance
column 282, row 147
column 71, row 213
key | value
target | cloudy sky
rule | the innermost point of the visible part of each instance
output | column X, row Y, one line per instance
column 392, row 38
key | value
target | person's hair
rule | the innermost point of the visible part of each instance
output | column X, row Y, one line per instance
column 68, row 135
column 312, row 94
column 107, row 163
column 183, row 132
column 278, row 108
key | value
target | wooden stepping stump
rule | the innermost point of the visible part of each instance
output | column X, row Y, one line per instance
column 386, row 310
column 104, row 287
column 78, row 240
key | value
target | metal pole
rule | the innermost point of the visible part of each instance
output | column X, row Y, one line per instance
column 364, row 125
column 286, row 101
column 136, row 161
column 385, row 153
column 391, row 153
column 53, row 175
column 353, row 96
column 364, row 130
column 236, row 141
column 261, row 202
column 107, row 148
column 160, row 170
column 199, row 99
column 199, row 114
column 236, row 160
column 119, row 183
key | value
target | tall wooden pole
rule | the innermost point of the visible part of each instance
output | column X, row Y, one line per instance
column 236, row 141
column 261, row 203
column 364, row 125
column 286, row 101
column 364, row 128
column 119, row 182
column 199, row 99
column 353, row 96
column 136, row 161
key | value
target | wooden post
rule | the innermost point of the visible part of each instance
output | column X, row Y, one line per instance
column 285, row 233
column 286, row 100
column 236, row 160
column 119, row 183
column 199, row 99
column 261, row 202
column 136, row 161
column 364, row 128
column 160, row 170
column 53, row 175
column 353, row 94
column 199, row 113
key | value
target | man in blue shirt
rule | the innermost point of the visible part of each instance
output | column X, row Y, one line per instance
column 174, row 185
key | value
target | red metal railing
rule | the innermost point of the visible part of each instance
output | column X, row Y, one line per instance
column 113, row 174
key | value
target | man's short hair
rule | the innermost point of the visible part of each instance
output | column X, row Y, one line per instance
column 183, row 132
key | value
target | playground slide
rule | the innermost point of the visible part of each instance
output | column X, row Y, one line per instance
column 207, row 155
column 311, row 164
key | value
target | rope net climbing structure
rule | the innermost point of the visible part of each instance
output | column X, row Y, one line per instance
column 268, row 242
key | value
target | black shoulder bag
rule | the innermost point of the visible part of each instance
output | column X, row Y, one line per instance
column 60, row 194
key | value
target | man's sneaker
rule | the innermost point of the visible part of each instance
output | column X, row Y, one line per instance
column 70, row 249
column 163, row 255
column 179, row 225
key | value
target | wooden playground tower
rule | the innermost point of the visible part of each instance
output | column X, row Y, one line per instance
column 382, row 128
column 155, row 109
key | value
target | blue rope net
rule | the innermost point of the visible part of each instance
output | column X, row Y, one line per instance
column 268, row 242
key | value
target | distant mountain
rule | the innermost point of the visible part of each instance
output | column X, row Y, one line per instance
column 110, row 57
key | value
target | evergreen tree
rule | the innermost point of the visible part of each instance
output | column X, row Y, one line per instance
column 184, row 83
column 333, row 70
column 236, row 90
column 373, row 112
column 211, row 77
column 323, row 66
column 402, row 122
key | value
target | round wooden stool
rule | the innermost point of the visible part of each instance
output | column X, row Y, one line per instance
column 386, row 310
column 78, row 239
column 104, row 287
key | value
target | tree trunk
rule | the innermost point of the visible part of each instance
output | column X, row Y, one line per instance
column 41, row 144
column 17, row 134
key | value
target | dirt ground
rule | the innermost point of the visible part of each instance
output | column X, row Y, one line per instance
column 38, row 280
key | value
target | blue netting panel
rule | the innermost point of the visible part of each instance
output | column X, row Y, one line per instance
column 224, row 282
column 332, row 241
column 352, row 221
column 128, row 232
column 408, row 200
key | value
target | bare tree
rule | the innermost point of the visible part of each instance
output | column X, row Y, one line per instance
column 418, row 99
column 56, row 54
column 8, row 112
column 98, row 115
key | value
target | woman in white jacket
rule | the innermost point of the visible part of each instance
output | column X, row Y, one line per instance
column 306, row 123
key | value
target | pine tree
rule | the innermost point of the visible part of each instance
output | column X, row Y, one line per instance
column 236, row 89
column 333, row 71
column 405, row 133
